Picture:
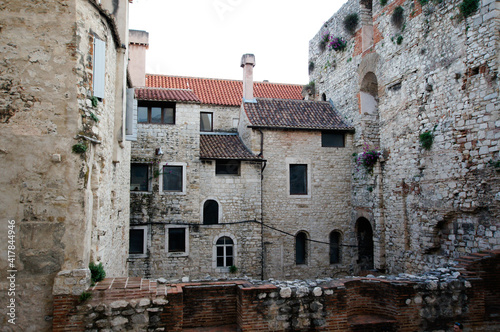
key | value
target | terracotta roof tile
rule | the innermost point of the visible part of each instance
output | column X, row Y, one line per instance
column 224, row 92
column 300, row 114
column 160, row 94
column 224, row 146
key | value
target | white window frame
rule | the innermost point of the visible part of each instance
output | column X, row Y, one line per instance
column 186, row 234
column 214, row 252
column 99, row 67
column 293, row 161
column 184, row 178
column 145, row 242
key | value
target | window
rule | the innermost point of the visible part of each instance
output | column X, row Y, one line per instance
column 138, row 240
column 300, row 248
column 332, row 139
column 210, row 212
column 173, row 179
column 177, row 240
column 158, row 113
column 298, row 179
column 231, row 167
column 99, row 67
column 206, row 121
column 225, row 255
column 334, row 247
column 139, row 177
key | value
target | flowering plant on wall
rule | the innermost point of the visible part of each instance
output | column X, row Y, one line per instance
column 325, row 38
column 367, row 159
column 337, row 43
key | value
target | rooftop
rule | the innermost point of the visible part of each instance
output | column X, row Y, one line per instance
column 224, row 146
column 160, row 94
column 224, row 92
column 295, row 114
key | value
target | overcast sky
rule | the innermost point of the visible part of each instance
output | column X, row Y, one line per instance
column 206, row 38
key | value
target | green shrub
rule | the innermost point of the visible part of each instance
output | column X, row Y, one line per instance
column 233, row 269
column 426, row 139
column 468, row 7
column 79, row 148
column 397, row 16
column 351, row 22
column 399, row 40
column 97, row 272
column 383, row 2
column 85, row 296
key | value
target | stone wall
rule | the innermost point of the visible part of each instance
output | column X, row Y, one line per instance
column 239, row 199
column 428, row 302
column 68, row 208
column 436, row 73
column 324, row 209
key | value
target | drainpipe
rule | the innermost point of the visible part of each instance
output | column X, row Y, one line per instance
column 262, row 263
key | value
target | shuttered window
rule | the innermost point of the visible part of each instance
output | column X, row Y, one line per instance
column 99, row 66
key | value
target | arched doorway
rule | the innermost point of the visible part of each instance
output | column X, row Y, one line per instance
column 364, row 234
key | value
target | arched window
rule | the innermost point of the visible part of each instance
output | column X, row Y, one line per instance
column 323, row 97
column 210, row 212
column 225, row 252
column 335, row 247
column 300, row 248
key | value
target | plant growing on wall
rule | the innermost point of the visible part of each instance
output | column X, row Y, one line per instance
column 351, row 22
column 426, row 139
column 468, row 7
column 84, row 296
column 383, row 2
column 233, row 269
column 95, row 101
column 79, row 148
column 97, row 272
column 309, row 88
column 397, row 16
column 311, row 67
column 338, row 44
column 367, row 159
column 325, row 38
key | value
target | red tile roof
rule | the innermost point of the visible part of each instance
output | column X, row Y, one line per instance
column 159, row 94
column 224, row 92
column 224, row 146
column 298, row 114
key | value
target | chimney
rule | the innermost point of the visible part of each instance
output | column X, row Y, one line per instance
column 248, row 62
column 138, row 44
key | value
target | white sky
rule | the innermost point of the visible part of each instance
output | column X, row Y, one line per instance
column 206, row 38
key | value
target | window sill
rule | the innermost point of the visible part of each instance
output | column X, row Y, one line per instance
column 172, row 193
column 177, row 254
column 141, row 192
column 133, row 257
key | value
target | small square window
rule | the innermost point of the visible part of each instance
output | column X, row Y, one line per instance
column 206, row 121
column 298, row 179
column 231, row 167
column 139, row 177
column 138, row 240
column 172, row 178
column 177, row 240
column 332, row 139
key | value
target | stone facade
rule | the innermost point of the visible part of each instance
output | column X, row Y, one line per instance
column 238, row 198
column 436, row 73
column 68, row 208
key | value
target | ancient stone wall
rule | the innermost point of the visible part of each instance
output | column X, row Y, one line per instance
column 69, row 208
column 428, row 302
column 435, row 74
column 238, row 198
column 324, row 209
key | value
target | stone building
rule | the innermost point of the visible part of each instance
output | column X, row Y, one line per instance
column 65, row 161
column 218, row 184
column 419, row 82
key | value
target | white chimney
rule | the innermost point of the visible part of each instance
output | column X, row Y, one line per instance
column 248, row 62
